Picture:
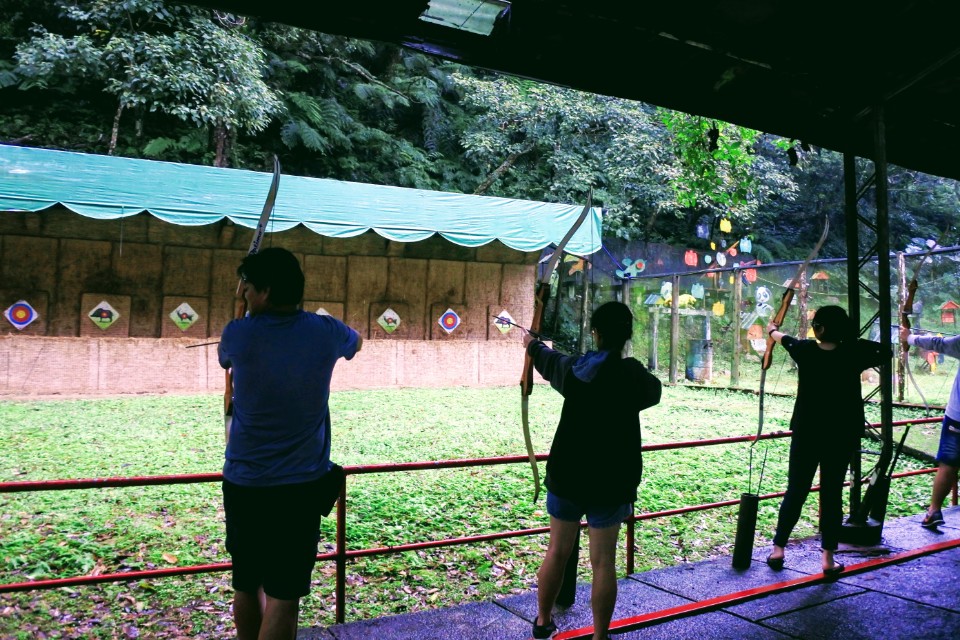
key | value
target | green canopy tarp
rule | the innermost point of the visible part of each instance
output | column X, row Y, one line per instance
column 107, row 187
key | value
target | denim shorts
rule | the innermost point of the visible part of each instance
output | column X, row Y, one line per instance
column 597, row 517
column 949, row 451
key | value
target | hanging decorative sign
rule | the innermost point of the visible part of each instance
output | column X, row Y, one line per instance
column 755, row 332
column 713, row 246
column 20, row 314
column 746, row 245
column 503, row 321
column 666, row 289
column 721, row 259
column 718, row 308
column 725, row 225
column 764, row 310
column 631, row 268
column 747, row 321
column 750, row 275
column 103, row 315
column 389, row 320
column 732, row 251
column 707, row 259
column 763, row 295
column 184, row 316
column 697, row 290
column 449, row 320
column 690, row 258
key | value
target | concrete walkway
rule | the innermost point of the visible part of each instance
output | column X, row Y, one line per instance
column 918, row 598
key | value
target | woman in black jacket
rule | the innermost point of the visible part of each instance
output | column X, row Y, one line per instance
column 595, row 462
column 827, row 424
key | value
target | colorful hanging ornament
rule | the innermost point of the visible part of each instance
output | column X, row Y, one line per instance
column 690, row 258
column 718, row 308
column 631, row 268
column 725, row 225
column 697, row 291
column 746, row 245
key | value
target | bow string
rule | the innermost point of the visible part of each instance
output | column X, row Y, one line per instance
column 541, row 295
column 241, row 308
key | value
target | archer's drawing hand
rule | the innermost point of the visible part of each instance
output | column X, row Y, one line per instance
column 527, row 339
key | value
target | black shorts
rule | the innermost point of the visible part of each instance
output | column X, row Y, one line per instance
column 272, row 535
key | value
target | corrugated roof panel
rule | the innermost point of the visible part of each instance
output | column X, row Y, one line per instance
column 475, row 16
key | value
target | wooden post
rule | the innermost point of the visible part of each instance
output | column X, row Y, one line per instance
column 625, row 299
column 901, row 357
column 674, row 328
column 653, row 361
column 802, row 296
column 584, row 313
column 735, row 315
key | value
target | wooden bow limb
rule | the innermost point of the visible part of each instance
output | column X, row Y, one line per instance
column 541, row 295
column 906, row 308
column 241, row 308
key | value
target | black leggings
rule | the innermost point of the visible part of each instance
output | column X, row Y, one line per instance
column 806, row 454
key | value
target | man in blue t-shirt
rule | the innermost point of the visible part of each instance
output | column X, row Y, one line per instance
column 278, row 469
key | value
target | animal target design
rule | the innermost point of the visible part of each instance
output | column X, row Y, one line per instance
column 103, row 315
column 184, row 316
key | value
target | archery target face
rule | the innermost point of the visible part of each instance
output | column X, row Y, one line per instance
column 20, row 314
column 449, row 320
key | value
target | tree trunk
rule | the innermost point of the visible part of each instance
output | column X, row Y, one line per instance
column 503, row 168
column 220, row 137
column 115, row 131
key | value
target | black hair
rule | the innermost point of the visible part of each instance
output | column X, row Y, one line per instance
column 614, row 322
column 834, row 324
column 276, row 269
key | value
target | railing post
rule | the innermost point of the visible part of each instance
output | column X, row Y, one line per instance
column 631, row 527
column 341, row 586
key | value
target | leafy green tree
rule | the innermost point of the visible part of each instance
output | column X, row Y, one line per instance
column 153, row 56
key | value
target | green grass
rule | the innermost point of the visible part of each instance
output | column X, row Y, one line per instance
column 63, row 533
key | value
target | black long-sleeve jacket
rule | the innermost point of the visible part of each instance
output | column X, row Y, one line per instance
column 595, row 458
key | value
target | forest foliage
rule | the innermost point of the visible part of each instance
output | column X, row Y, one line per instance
column 166, row 81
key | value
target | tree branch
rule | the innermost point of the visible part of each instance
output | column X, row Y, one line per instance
column 504, row 167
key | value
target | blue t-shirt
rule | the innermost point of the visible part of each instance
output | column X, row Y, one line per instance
column 282, row 365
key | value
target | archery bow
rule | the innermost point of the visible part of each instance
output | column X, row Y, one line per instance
column 540, row 302
column 782, row 313
column 906, row 308
column 241, row 309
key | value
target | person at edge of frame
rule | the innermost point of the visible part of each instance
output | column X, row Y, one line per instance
column 827, row 424
column 948, row 453
column 595, row 462
column 278, row 479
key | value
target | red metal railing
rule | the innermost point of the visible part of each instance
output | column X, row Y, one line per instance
column 341, row 555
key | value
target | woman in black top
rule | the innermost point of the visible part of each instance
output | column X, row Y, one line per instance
column 827, row 424
column 595, row 463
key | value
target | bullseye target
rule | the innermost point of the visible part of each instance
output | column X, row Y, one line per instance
column 20, row 314
column 449, row 320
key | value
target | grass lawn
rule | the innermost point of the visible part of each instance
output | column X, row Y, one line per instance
column 63, row 533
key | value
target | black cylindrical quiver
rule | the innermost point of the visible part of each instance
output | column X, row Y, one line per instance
column 746, row 528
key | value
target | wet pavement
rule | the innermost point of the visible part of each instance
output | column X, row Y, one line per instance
column 916, row 598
